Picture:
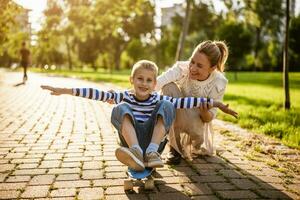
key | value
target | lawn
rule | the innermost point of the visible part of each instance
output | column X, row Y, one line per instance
column 257, row 96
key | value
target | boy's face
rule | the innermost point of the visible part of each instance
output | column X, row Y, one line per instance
column 144, row 82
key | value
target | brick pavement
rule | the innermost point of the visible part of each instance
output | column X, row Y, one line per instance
column 63, row 148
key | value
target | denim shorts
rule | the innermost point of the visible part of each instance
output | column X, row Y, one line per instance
column 144, row 130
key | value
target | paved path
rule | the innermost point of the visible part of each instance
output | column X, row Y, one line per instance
column 63, row 148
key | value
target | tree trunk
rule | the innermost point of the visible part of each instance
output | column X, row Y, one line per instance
column 287, row 103
column 185, row 27
column 257, row 46
column 118, row 52
column 70, row 64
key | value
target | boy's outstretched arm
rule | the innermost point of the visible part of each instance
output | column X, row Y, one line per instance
column 57, row 90
column 225, row 108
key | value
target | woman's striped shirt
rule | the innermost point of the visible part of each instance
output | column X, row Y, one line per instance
column 141, row 109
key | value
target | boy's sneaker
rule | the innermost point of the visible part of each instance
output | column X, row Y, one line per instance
column 153, row 160
column 131, row 157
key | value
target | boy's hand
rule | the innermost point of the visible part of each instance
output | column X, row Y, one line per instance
column 226, row 109
column 54, row 91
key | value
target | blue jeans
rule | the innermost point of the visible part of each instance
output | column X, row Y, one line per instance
column 144, row 130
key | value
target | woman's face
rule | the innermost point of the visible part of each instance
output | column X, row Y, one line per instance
column 200, row 67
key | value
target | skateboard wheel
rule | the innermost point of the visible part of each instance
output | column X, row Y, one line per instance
column 128, row 185
column 149, row 184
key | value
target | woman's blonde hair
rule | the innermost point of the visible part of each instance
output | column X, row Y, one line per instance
column 144, row 64
column 216, row 51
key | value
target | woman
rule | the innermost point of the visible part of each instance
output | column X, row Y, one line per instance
column 192, row 132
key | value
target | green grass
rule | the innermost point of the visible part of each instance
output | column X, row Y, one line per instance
column 257, row 96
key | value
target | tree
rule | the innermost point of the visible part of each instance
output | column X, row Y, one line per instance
column 265, row 16
column 294, row 44
column 8, row 12
column 185, row 27
column 287, row 103
column 49, row 49
column 239, row 39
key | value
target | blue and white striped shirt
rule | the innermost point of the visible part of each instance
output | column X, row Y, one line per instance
column 141, row 109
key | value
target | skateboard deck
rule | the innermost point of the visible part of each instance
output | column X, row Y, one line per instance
column 138, row 178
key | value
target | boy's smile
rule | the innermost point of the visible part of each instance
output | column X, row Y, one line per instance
column 144, row 82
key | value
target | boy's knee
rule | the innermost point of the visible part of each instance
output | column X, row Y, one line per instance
column 167, row 107
column 171, row 89
column 119, row 110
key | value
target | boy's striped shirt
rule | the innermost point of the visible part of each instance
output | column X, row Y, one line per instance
column 141, row 109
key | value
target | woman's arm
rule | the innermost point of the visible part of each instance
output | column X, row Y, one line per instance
column 192, row 102
column 171, row 75
column 217, row 94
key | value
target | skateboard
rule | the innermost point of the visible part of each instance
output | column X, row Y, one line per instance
column 136, row 178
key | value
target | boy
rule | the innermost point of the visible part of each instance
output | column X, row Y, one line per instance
column 149, row 114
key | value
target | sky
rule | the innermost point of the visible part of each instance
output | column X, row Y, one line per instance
column 37, row 7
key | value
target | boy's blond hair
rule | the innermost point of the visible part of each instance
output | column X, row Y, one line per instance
column 144, row 64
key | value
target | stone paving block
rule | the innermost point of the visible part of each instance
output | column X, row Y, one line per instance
column 108, row 182
column 64, row 171
column 209, row 179
column 126, row 197
column 92, row 174
column 27, row 166
column 184, row 171
column 92, row 165
column 6, row 167
column 53, row 156
column 9, row 194
column 70, row 184
column 115, row 190
column 231, row 173
column 276, row 194
column 237, row 194
column 35, row 191
column 295, row 187
column 244, row 184
column 18, row 179
column 205, row 197
column 29, row 172
column 12, row 186
column 71, row 164
column 50, row 164
column 266, row 179
column 197, row 189
column 68, row 177
column 170, row 188
column 116, row 175
column 15, row 155
column 174, row 195
column 91, row 193
column 69, row 192
column 222, row 186
column 42, row 180
column 26, row 160
column 116, row 169
column 3, row 176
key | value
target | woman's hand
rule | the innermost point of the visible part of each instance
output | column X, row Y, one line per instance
column 226, row 109
column 205, row 114
column 110, row 101
column 56, row 91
